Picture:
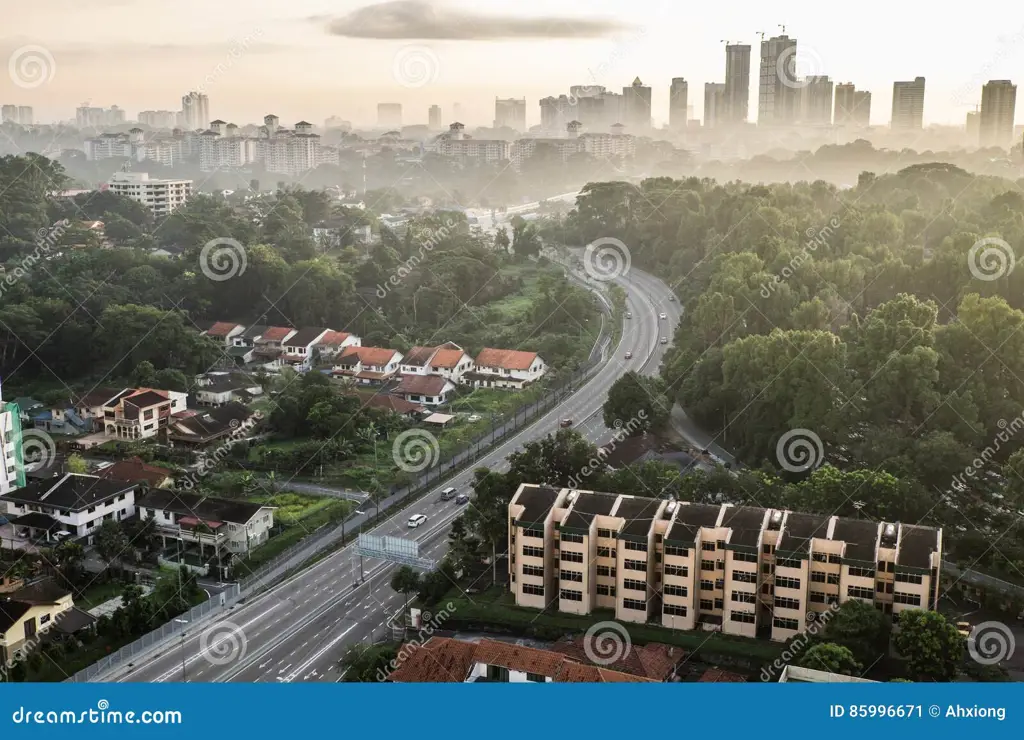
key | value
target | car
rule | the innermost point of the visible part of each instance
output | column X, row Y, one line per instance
column 629, row 314
column 662, row 316
column 565, row 423
column 671, row 299
column 629, row 355
column 473, row 417
column 416, row 520
column 664, row 340
column 462, row 498
column 448, row 494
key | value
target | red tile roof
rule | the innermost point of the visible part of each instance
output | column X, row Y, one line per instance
column 717, row 675
column 134, row 470
column 421, row 385
column 367, row 355
column 439, row 660
column 334, row 338
column 221, row 329
column 654, row 660
column 447, row 358
column 276, row 333
column 509, row 359
column 391, row 403
column 518, row 658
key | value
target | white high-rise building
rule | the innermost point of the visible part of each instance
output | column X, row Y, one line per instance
column 908, row 104
column 9, row 114
column 778, row 89
column 162, row 197
column 158, row 118
column 737, row 82
column 106, row 146
column 195, row 109
column 12, row 465
column 998, row 104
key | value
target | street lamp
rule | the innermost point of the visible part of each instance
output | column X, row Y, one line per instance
column 182, row 622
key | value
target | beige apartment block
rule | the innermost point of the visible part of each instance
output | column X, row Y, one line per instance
column 742, row 570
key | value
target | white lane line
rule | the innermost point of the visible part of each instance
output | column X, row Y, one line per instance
column 320, row 653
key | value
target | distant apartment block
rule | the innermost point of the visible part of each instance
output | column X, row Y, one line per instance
column 737, row 82
column 195, row 111
column 778, row 94
column 510, row 113
column 816, row 100
column 678, row 110
column 908, row 104
column 852, row 106
column 158, row 118
column 457, row 145
column 636, row 105
column 162, row 197
column 742, row 570
column 20, row 114
column 998, row 104
column 714, row 104
column 434, row 117
column 87, row 117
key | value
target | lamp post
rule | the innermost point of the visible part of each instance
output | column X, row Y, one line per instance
column 184, row 675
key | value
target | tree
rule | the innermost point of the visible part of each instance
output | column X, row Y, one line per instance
column 76, row 464
column 405, row 581
column 636, row 405
column 525, row 240
column 930, row 646
column 827, row 656
column 111, row 541
column 368, row 663
column 861, row 628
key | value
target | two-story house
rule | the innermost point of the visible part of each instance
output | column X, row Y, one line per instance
column 429, row 390
column 447, row 360
column 224, row 332
column 25, row 614
column 269, row 346
column 299, row 348
column 505, row 368
column 334, row 342
column 219, row 388
column 367, row 365
column 141, row 413
column 76, row 504
column 200, row 428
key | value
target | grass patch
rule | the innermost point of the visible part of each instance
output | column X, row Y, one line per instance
column 293, row 507
column 333, row 512
column 98, row 593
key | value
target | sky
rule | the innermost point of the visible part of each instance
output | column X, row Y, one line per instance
column 310, row 59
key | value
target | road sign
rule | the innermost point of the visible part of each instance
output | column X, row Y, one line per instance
column 392, row 549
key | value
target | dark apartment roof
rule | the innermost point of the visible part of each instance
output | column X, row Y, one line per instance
column 916, row 546
column 146, row 398
column 72, row 492
column 210, row 424
column 39, row 593
column 691, row 517
column 639, row 514
column 536, row 502
column 305, row 337
column 859, row 537
column 207, row 508
column 588, row 505
column 97, row 397
column 800, row 530
column 745, row 522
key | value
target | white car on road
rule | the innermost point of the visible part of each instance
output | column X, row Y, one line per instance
column 662, row 316
column 416, row 520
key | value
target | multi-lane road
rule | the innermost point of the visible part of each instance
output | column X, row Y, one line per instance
column 298, row 630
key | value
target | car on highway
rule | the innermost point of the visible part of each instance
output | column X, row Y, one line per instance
column 462, row 498
column 416, row 520
column 662, row 316
column 565, row 423
column 629, row 314
column 664, row 340
column 629, row 355
column 448, row 494
column 671, row 299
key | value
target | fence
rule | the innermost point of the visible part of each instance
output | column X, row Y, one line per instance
column 171, row 629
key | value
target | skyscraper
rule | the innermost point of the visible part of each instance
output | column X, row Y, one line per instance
column 737, row 82
column 25, row 115
column 714, row 104
column 908, row 104
column 778, row 90
column 998, row 103
column 853, row 106
column 973, row 128
column 636, row 101
column 434, row 117
column 555, row 113
column 389, row 115
column 195, row 109
column 677, row 108
column 816, row 100
column 510, row 113
column 9, row 113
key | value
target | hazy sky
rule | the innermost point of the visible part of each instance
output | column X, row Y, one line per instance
column 315, row 58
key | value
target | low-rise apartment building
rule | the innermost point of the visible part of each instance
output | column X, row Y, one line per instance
column 742, row 570
column 162, row 197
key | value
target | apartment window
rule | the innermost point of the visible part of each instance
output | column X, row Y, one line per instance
column 535, row 533
column 675, row 611
column 834, row 559
column 707, row 586
column 767, row 568
column 533, row 570
column 880, row 587
column 744, row 557
column 602, row 590
column 638, row 546
column 635, row 565
column 568, row 556
column 767, row 549
column 90, row 510
column 572, row 575
column 533, row 552
column 707, row 564
column 569, row 595
column 908, row 578
column 634, row 585
column 571, row 537
column 789, row 563
column 786, row 624
column 819, row 557
column 707, row 546
column 677, row 570
column 744, row 576
column 781, row 602
column 861, row 572
column 767, row 588
column 604, row 552
column 529, row 588
column 832, row 579
column 886, row 566
column 745, row 617
column 634, row 604
column 535, row 678
column 742, row 597
column 721, row 544
column 912, row 599
column 707, row 605
column 675, row 550
column 497, row 673
column 719, row 603
column 604, row 570
column 45, row 618
column 784, row 582
column 860, row 593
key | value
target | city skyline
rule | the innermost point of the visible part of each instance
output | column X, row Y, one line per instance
column 294, row 61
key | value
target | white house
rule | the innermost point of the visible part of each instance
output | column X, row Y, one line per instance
column 219, row 388
column 505, row 368
column 447, row 360
column 141, row 413
column 299, row 350
column 202, row 522
column 334, row 342
column 225, row 332
column 269, row 345
column 367, row 365
column 429, row 390
column 73, row 503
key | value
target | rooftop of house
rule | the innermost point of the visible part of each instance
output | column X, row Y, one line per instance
column 639, row 514
column 422, row 385
column 654, row 661
column 691, row 517
column 379, row 356
column 508, row 359
column 134, row 470
column 276, row 333
column 586, row 506
column 203, row 508
column 254, row 332
column 916, row 546
column 334, row 338
column 388, row 402
column 222, row 329
column 198, row 427
column 72, row 492
column 97, row 397
column 448, row 356
column 418, row 356
column 800, row 529
column 305, row 337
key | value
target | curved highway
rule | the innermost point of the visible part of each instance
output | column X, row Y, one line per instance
column 298, row 630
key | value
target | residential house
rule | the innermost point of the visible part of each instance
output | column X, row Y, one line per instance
column 269, row 346
column 199, row 428
column 141, row 413
column 60, row 420
column 505, row 368
column 333, row 342
column 430, row 390
column 447, row 360
column 219, row 388
column 134, row 470
column 32, row 611
column 243, row 346
column 447, row 660
column 27, row 406
column 73, row 503
column 90, row 405
column 224, row 332
column 206, row 525
column 367, row 365
column 299, row 348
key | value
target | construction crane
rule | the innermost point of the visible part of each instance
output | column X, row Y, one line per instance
column 728, row 43
column 761, row 34
column 783, row 27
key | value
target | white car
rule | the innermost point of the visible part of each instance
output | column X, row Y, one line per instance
column 664, row 340
column 416, row 520
column 662, row 316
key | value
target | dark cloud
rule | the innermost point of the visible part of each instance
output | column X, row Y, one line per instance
column 412, row 19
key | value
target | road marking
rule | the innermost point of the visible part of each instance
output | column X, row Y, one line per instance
column 320, row 653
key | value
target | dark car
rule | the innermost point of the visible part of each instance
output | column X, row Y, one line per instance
column 565, row 423
column 462, row 498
